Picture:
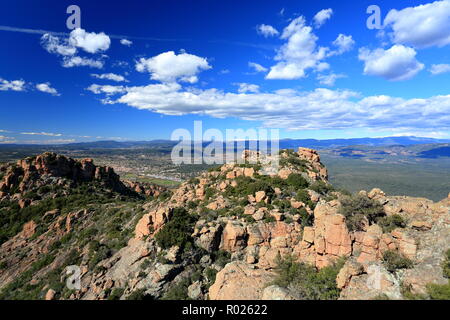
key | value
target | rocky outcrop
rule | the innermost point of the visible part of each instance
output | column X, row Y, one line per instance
column 29, row 173
column 239, row 281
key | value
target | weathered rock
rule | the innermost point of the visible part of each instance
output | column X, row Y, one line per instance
column 29, row 229
column 234, row 236
column 276, row 293
column 50, row 295
column 239, row 281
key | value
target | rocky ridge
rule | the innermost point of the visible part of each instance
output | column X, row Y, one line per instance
column 244, row 223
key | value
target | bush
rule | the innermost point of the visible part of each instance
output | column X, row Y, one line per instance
column 307, row 220
column 177, row 232
column 297, row 181
column 446, row 265
column 116, row 294
column 439, row 292
column 391, row 223
column 221, row 257
column 395, row 261
column 321, row 187
column 140, row 295
column 359, row 208
column 178, row 291
column 305, row 281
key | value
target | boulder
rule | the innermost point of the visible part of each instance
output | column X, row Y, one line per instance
column 240, row 281
column 234, row 236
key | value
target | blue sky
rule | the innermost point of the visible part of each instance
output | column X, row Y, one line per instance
column 232, row 64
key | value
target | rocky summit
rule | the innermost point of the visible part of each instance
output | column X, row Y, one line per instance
column 232, row 233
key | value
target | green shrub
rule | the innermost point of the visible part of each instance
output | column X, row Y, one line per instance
column 439, row 291
column 307, row 220
column 395, row 261
column 211, row 273
column 178, row 291
column 3, row 265
column 140, row 295
column 116, row 293
column 303, row 196
column 446, row 265
column 358, row 208
column 321, row 187
column 221, row 257
column 390, row 223
column 305, row 282
column 177, row 232
column 297, row 181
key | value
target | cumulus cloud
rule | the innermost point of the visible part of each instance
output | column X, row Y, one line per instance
column 343, row 43
column 267, row 30
column 395, row 64
column 110, row 76
column 89, row 41
column 46, row 87
column 422, row 26
column 322, row 16
column 13, row 85
column 126, row 42
column 76, row 61
column 329, row 79
column 170, row 67
column 299, row 53
column 247, row 87
column 294, row 110
column 49, row 134
column 257, row 67
column 56, row 45
column 106, row 89
column 439, row 68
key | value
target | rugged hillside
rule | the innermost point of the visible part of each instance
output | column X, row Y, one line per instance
column 231, row 233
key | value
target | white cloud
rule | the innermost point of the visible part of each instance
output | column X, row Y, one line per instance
column 439, row 68
column 320, row 109
column 267, row 30
column 395, row 64
column 46, row 87
column 110, row 76
column 329, row 79
column 126, row 42
column 6, row 140
column 224, row 71
column 322, row 16
column 68, row 47
column 14, row 85
column 343, row 43
column 57, row 46
column 247, row 87
column 298, row 54
column 422, row 26
column 169, row 67
column 89, row 41
column 42, row 134
column 257, row 67
column 106, row 89
column 76, row 61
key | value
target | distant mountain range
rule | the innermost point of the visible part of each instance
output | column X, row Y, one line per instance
column 284, row 143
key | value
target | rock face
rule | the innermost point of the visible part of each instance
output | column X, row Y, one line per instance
column 152, row 222
column 29, row 172
column 239, row 281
